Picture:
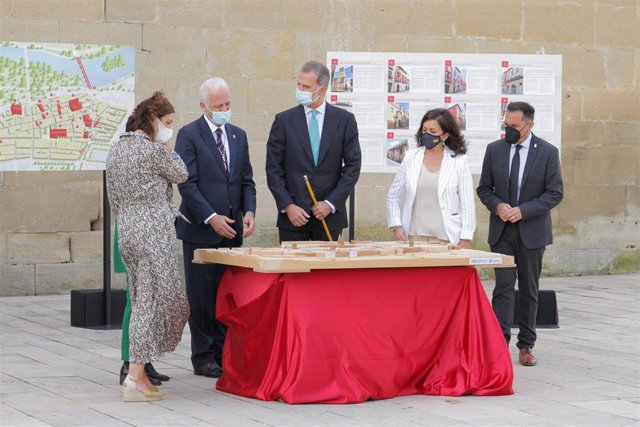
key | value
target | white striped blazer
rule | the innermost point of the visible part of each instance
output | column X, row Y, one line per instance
column 455, row 194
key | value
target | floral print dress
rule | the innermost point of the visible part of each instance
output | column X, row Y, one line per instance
column 139, row 175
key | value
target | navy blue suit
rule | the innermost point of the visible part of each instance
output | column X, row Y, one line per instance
column 210, row 189
column 289, row 158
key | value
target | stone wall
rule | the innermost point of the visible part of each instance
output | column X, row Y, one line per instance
column 50, row 223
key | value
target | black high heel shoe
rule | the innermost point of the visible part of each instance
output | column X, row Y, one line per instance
column 124, row 371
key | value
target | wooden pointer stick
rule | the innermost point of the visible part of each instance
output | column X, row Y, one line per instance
column 315, row 203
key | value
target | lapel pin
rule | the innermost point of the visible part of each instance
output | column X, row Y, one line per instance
column 534, row 145
column 234, row 136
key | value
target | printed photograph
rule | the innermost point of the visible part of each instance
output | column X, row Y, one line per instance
column 397, row 79
column 398, row 115
column 344, row 105
column 459, row 113
column 396, row 148
column 503, row 111
column 455, row 79
column 342, row 78
column 512, row 81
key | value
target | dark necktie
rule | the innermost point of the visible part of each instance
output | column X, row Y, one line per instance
column 513, row 177
column 223, row 153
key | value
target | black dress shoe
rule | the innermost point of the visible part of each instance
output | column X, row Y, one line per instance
column 153, row 374
column 211, row 370
column 124, row 371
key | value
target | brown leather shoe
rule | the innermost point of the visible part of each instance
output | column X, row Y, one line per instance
column 527, row 358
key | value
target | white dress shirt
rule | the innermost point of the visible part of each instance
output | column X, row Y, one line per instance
column 320, row 118
column 225, row 142
column 524, row 152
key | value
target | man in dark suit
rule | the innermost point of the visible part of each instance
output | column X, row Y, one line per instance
column 217, row 199
column 520, row 184
column 320, row 141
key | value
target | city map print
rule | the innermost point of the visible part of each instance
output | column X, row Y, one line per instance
column 62, row 105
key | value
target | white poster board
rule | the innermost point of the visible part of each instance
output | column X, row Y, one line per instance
column 389, row 92
column 62, row 105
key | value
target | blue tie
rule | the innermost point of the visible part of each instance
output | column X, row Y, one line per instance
column 314, row 136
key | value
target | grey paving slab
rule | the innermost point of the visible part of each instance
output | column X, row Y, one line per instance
column 15, row 418
column 588, row 374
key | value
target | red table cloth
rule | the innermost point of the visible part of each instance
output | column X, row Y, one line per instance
column 346, row 336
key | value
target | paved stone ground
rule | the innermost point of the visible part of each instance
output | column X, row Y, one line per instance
column 588, row 374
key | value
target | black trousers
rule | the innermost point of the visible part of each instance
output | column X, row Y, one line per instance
column 207, row 333
column 312, row 230
column 529, row 266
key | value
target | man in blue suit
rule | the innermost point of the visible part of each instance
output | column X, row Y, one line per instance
column 520, row 184
column 320, row 141
column 217, row 200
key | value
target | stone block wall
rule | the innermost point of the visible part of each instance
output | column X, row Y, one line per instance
column 50, row 238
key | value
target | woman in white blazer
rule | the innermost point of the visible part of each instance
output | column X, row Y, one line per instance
column 434, row 179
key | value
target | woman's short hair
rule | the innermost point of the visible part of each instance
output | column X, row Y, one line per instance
column 455, row 142
column 146, row 112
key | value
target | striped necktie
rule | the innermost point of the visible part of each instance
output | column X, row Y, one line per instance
column 220, row 145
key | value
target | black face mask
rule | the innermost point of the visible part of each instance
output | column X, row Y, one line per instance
column 430, row 141
column 511, row 135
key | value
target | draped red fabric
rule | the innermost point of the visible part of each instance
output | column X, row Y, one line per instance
column 346, row 336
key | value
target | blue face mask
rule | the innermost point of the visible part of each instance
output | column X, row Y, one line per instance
column 430, row 141
column 306, row 98
column 220, row 118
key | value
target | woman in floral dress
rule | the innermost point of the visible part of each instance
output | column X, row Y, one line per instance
column 141, row 168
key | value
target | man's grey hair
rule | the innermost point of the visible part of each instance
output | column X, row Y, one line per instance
column 211, row 85
column 319, row 69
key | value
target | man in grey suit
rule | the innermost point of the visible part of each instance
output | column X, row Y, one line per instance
column 320, row 141
column 520, row 184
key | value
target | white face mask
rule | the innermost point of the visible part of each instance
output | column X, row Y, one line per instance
column 220, row 118
column 164, row 133
column 306, row 98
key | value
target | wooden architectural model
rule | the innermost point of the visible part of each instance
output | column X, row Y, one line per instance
column 306, row 256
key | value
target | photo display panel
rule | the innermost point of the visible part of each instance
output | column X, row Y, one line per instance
column 389, row 93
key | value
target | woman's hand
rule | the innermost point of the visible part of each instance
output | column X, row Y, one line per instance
column 400, row 234
column 465, row 244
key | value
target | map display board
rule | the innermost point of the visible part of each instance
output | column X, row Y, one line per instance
column 389, row 93
column 62, row 105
